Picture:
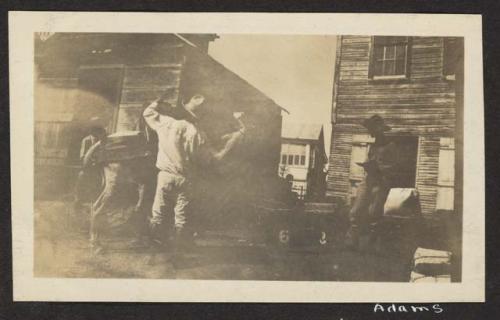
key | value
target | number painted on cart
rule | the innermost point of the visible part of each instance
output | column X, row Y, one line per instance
column 323, row 239
column 284, row 236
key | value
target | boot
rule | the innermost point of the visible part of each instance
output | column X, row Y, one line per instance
column 183, row 245
column 352, row 237
column 96, row 248
column 160, row 245
column 160, row 237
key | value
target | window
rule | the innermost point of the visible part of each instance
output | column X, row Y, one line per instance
column 446, row 175
column 452, row 56
column 293, row 154
column 389, row 57
column 296, row 160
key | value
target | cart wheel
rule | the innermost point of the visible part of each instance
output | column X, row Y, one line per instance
column 284, row 236
column 323, row 239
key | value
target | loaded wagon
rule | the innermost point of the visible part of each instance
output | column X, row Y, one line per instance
column 113, row 76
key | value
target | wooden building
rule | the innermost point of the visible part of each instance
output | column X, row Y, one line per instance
column 411, row 83
column 303, row 159
column 111, row 77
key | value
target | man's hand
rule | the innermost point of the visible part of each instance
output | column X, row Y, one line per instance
column 231, row 140
column 238, row 115
column 165, row 95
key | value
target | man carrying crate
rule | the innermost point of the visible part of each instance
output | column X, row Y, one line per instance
column 380, row 168
column 88, row 177
column 182, row 147
column 124, row 161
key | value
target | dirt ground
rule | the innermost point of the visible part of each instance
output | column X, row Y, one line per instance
column 61, row 250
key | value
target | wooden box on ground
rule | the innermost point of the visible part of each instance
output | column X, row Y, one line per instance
column 305, row 225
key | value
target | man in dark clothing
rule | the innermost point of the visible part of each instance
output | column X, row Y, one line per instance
column 125, row 177
column 368, row 207
column 88, row 177
column 95, row 134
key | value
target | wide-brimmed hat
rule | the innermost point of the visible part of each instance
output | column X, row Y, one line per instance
column 194, row 105
column 375, row 121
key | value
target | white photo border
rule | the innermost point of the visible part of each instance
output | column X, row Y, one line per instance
column 23, row 25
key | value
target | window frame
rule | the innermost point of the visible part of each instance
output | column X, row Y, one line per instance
column 296, row 160
column 302, row 160
column 284, row 158
column 371, row 69
column 451, row 44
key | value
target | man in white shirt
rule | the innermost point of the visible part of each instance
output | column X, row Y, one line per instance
column 182, row 147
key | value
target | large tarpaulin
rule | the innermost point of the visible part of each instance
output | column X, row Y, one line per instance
column 232, row 187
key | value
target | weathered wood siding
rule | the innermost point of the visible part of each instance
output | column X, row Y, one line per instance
column 145, row 82
column 427, row 172
column 142, row 84
column 421, row 105
column 338, row 185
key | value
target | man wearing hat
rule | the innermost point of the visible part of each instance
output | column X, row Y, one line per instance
column 181, row 147
column 368, row 207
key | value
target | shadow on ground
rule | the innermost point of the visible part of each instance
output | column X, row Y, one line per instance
column 61, row 250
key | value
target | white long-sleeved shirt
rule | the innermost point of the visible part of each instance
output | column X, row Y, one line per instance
column 179, row 141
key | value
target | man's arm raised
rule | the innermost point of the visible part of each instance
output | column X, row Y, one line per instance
column 231, row 139
column 209, row 154
column 152, row 114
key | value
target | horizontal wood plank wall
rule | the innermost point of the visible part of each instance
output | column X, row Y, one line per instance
column 144, row 83
column 421, row 105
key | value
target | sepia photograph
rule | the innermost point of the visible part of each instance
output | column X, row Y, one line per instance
column 260, row 158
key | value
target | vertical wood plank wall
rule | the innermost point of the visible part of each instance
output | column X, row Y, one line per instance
column 422, row 105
